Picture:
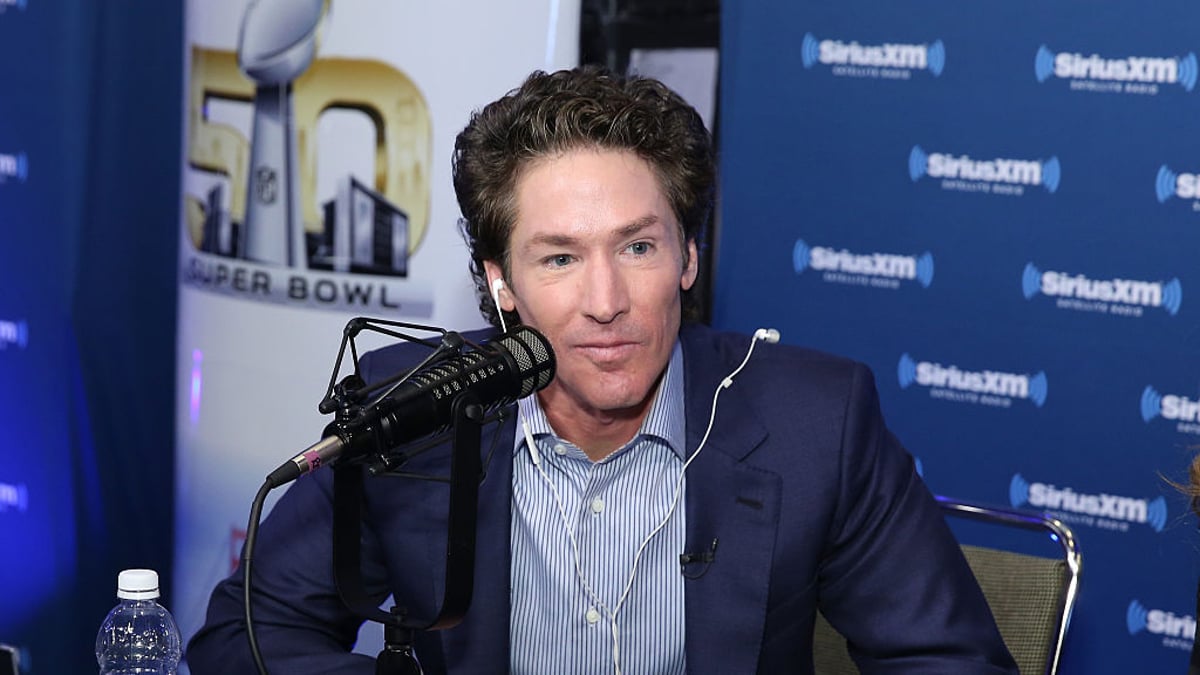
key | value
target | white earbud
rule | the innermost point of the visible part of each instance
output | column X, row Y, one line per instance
column 767, row 334
column 498, row 284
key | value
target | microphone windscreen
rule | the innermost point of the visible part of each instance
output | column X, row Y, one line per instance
column 533, row 355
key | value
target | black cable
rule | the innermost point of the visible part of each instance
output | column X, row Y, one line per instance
column 247, row 556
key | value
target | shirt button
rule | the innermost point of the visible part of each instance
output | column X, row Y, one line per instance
column 592, row 616
column 560, row 449
column 597, row 505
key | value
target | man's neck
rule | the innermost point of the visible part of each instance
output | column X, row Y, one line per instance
column 597, row 433
column 598, row 436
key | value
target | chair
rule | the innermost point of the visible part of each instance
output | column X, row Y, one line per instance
column 1031, row 597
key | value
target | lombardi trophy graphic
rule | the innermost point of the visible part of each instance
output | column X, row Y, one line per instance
column 277, row 43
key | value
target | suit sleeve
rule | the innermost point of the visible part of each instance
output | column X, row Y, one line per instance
column 893, row 579
column 300, row 621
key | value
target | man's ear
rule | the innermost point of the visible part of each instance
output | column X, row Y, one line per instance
column 692, row 268
column 498, row 289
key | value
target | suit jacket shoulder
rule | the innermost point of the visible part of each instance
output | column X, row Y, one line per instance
column 812, row 503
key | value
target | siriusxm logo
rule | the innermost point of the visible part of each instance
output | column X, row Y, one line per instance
column 1180, row 409
column 1112, row 507
column 13, row 333
column 1168, row 295
column 880, row 265
column 1139, row 618
column 984, row 386
column 1170, row 183
column 1004, row 171
column 14, row 166
column 900, row 57
column 14, row 497
column 1139, row 69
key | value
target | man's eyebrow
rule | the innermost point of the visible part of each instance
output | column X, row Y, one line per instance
column 551, row 240
column 555, row 240
column 637, row 225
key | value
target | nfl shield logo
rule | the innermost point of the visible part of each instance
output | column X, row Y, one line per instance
column 266, row 184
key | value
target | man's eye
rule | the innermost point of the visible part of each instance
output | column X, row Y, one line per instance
column 640, row 248
column 559, row 260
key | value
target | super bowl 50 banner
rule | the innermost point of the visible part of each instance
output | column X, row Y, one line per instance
column 316, row 187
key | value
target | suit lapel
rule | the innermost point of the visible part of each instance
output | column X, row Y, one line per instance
column 731, row 502
column 727, row 499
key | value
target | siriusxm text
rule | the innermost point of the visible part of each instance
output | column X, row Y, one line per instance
column 11, row 333
column 1187, row 186
column 10, row 165
column 1180, row 408
column 982, row 382
column 875, row 264
column 1129, row 69
column 1015, row 171
column 1160, row 622
column 13, row 497
column 836, row 52
column 1127, row 291
column 1102, row 505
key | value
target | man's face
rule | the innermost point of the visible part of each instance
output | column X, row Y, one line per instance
column 597, row 265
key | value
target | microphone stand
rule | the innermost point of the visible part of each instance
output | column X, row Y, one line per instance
column 397, row 657
column 348, row 399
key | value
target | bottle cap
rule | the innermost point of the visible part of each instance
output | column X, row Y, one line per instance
column 137, row 585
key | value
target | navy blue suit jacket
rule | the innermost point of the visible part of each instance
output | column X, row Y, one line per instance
column 812, row 501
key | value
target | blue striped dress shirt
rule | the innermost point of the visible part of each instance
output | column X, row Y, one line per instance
column 562, row 615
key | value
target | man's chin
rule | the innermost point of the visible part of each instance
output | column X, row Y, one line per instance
column 622, row 397
column 608, row 401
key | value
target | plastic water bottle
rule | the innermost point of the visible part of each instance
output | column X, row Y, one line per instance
column 138, row 635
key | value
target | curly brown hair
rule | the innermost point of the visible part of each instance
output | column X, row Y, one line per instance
column 586, row 107
column 1192, row 489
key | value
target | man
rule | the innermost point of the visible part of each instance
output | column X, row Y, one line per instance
column 673, row 501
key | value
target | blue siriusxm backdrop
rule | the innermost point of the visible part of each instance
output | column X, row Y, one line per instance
column 994, row 205
column 89, row 184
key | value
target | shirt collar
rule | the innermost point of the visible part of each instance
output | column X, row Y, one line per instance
column 664, row 421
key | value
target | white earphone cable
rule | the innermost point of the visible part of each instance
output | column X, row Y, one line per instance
column 769, row 335
column 613, row 614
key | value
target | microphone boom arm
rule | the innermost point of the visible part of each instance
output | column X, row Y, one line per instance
column 338, row 397
column 466, row 468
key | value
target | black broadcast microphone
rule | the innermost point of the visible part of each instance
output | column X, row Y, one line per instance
column 512, row 365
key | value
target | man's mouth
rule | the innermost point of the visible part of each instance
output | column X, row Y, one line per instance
column 607, row 351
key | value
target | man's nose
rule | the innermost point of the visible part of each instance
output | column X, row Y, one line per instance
column 606, row 291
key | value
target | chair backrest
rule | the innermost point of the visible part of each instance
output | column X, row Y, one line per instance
column 830, row 656
column 1031, row 597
